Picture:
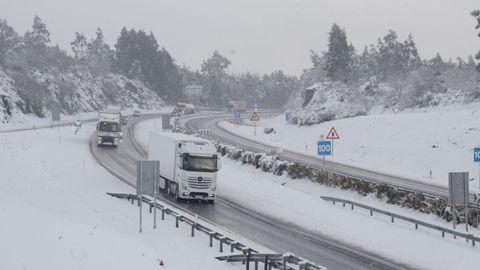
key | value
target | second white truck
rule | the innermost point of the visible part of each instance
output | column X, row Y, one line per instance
column 188, row 165
column 109, row 128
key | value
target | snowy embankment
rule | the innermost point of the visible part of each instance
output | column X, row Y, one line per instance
column 56, row 214
column 410, row 143
column 298, row 202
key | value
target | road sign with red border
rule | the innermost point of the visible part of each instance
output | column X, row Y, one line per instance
column 333, row 134
column 254, row 117
column 175, row 113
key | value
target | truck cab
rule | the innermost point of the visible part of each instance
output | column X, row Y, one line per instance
column 109, row 129
column 188, row 165
column 198, row 164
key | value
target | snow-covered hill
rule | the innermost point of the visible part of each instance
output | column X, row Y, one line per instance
column 336, row 100
column 75, row 91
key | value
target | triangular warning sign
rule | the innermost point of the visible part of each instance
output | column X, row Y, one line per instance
column 254, row 117
column 175, row 113
column 333, row 134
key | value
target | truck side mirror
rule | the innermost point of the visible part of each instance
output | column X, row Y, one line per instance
column 219, row 164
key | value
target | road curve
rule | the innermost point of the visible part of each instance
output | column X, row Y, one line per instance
column 267, row 231
column 229, row 137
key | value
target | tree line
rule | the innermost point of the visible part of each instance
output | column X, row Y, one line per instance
column 395, row 62
column 136, row 55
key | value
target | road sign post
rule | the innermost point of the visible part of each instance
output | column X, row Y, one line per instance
column 333, row 135
column 324, row 148
column 254, row 118
column 147, row 183
column 476, row 158
column 237, row 118
column 458, row 193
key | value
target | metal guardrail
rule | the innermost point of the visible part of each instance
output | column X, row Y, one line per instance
column 253, row 255
column 279, row 261
column 393, row 216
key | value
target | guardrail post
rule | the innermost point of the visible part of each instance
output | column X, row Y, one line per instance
column 284, row 262
column 176, row 221
column 247, row 255
column 352, row 205
column 443, row 233
column 256, row 265
column 193, row 229
column 393, row 219
column 265, row 263
column 150, row 208
column 473, row 240
column 210, row 235
column 416, row 226
column 222, row 239
column 371, row 212
column 333, row 201
column 232, row 246
column 343, row 204
column 163, row 213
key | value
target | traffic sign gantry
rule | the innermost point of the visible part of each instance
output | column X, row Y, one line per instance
column 175, row 113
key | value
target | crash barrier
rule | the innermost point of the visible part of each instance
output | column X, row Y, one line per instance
column 393, row 216
column 272, row 262
column 269, row 261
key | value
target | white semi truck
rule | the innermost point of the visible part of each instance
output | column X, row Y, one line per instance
column 188, row 165
column 109, row 128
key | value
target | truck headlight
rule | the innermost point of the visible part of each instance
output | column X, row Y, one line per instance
column 214, row 188
column 184, row 186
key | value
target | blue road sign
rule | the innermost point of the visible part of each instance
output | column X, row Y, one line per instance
column 287, row 116
column 476, row 154
column 237, row 115
column 324, row 148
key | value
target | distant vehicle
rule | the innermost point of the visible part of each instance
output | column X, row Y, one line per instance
column 109, row 128
column 237, row 106
column 188, row 165
column 123, row 120
column 186, row 108
column 136, row 113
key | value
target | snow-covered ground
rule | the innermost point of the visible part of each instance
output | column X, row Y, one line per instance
column 55, row 213
column 409, row 143
column 299, row 202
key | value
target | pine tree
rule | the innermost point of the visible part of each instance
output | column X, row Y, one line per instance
column 9, row 39
column 338, row 59
column 476, row 15
column 39, row 37
column 79, row 47
column 214, row 70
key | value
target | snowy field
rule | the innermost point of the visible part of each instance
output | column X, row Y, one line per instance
column 299, row 202
column 56, row 214
column 409, row 143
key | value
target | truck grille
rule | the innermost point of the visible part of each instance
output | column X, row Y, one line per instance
column 194, row 183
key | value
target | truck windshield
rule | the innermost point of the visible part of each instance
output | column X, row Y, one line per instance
column 108, row 126
column 200, row 163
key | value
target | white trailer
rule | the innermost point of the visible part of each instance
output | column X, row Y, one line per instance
column 188, row 165
column 109, row 128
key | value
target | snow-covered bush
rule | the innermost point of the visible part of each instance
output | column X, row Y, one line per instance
column 392, row 195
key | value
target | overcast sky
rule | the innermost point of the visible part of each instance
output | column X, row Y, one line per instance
column 257, row 35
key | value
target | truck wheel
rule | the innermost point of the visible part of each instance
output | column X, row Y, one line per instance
column 177, row 194
column 167, row 187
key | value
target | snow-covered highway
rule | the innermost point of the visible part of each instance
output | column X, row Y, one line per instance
column 273, row 233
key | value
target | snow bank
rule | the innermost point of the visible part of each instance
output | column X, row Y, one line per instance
column 410, row 143
column 56, row 214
